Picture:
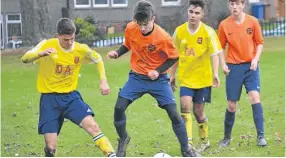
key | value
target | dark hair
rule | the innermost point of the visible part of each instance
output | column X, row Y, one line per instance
column 65, row 26
column 242, row 1
column 198, row 3
column 143, row 11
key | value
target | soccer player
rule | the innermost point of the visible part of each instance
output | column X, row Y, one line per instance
column 153, row 53
column 59, row 61
column 197, row 44
column 242, row 34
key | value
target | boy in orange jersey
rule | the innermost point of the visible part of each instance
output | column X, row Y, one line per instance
column 59, row 61
column 153, row 53
column 242, row 34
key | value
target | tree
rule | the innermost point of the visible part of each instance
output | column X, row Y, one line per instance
column 36, row 19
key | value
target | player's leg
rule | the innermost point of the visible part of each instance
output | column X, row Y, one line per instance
column 120, row 125
column 252, row 85
column 201, row 96
column 82, row 114
column 133, row 89
column 186, row 102
column 162, row 92
column 50, row 123
column 234, row 82
column 51, row 143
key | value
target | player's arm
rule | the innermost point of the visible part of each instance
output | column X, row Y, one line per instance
column 36, row 53
column 124, row 48
column 96, row 58
column 258, row 39
column 223, row 42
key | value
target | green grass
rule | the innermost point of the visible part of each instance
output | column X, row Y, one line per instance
column 148, row 126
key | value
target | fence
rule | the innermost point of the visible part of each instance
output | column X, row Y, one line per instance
column 273, row 28
column 109, row 42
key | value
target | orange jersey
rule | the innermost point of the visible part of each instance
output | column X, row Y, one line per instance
column 241, row 39
column 151, row 51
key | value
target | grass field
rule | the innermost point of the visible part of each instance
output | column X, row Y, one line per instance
column 148, row 126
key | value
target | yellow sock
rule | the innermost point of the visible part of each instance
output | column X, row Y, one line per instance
column 203, row 129
column 188, row 122
column 103, row 144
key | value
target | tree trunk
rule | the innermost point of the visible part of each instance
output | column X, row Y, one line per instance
column 35, row 21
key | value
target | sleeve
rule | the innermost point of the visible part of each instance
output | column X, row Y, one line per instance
column 32, row 54
column 126, row 42
column 214, row 44
column 93, row 57
column 221, row 36
column 258, row 38
column 170, row 48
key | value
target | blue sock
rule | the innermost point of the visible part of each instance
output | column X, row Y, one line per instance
column 121, row 128
column 258, row 119
column 228, row 123
column 181, row 133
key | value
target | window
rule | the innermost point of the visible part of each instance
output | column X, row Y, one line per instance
column 2, row 33
column 100, row 3
column 81, row 3
column 14, row 26
column 119, row 3
column 171, row 2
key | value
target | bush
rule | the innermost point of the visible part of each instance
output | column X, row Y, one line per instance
column 86, row 30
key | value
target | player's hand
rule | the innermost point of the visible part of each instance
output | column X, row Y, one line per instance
column 104, row 87
column 216, row 81
column 225, row 69
column 254, row 64
column 173, row 83
column 47, row 52
column 112, row 55
column 153, row 74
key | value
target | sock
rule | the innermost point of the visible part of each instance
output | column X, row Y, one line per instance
column 103, row 144
column 189, row 126
column 258, row 119
column 121, row 129
column 181, row 133
column 203, row 129
column 228, row 123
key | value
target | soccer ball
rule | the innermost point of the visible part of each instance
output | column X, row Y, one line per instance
column 161, row 155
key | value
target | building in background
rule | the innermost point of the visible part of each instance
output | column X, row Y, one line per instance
column 33, row 20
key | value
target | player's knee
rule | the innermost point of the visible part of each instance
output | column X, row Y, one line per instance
column 185, row 108
column 173, row 113
column 254, row 98
column 232, row 106
column 120, row 107
column 122, row 104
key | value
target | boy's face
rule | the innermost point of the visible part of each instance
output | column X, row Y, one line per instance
column 236, row 8
column 195, row 14
column 146, row 27
column 66, row 41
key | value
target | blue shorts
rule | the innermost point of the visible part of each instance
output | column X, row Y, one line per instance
column 200, row 96
column 54, row 107
column 239, row 75
column 138, row 85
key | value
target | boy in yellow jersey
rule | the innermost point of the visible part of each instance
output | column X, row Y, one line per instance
column 197, row 44
column 59, row 61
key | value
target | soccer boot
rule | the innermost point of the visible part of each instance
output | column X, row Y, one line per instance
column 49, row 153
column 225, row 142
column 203, row 145
column 112, row 154
column 122, row 145
column 261, row 141
column 191, row 152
